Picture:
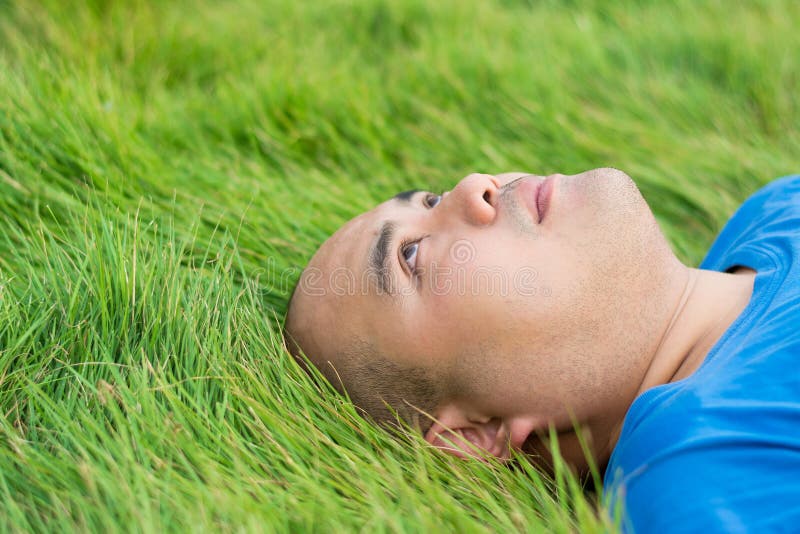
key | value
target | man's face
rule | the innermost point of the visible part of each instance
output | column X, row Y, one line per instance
column 530, row 294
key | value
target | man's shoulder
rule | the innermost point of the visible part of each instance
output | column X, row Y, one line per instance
column 778, row 199
column 773, row 199
column 779, row 190
column 770, row 215
column 789, row 183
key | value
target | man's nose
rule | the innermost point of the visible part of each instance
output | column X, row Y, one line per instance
column 475, row 198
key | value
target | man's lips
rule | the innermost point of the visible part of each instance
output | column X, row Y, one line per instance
column 543, row 194
column 537, row 194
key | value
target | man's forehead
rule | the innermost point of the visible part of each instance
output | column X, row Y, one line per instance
column 338, row 264
column 347, row 246
column 374, row 218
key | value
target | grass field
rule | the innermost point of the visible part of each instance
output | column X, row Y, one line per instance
column 167, row 168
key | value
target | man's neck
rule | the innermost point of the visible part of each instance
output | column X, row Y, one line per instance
column 710, row 302
column 706, row 303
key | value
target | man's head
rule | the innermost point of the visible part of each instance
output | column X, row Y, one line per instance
column 509, row 305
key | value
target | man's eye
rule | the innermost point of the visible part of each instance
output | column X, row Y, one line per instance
column 410, row 255
column 432, row 200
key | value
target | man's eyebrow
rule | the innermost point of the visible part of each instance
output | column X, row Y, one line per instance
column 379, row 256
column 405, row 196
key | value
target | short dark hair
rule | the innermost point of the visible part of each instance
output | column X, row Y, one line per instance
column 381, row 389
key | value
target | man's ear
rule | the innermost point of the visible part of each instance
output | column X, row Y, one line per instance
column 455, row 432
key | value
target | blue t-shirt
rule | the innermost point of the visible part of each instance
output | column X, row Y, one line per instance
column 719, row 451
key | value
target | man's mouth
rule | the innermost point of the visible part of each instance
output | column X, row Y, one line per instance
column 543, row 194
column 536, row 193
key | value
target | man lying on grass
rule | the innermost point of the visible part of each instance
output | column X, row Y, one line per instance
column 514, row 304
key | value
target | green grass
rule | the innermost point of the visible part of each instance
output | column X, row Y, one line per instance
column 167, row 168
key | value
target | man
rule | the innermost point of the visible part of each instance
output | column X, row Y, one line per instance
column 517, row 304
